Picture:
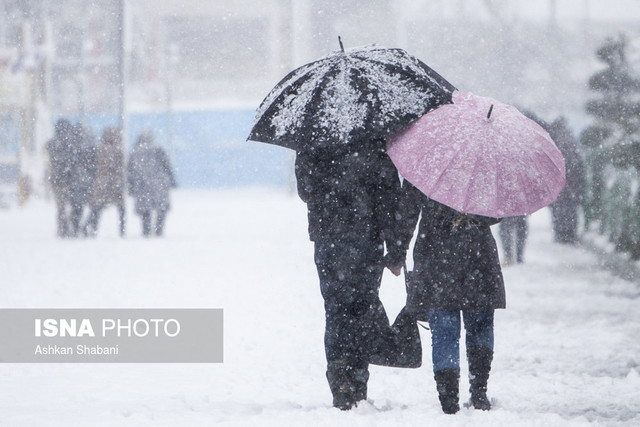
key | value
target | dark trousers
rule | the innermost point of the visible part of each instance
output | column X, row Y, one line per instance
column 74, row 219
column 350, row 278
column 94, row 218
column 61, row 214
column 158, row 229
column 513, row 233
column 565, row 223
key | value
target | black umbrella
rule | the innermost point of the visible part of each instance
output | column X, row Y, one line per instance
column 348, row 97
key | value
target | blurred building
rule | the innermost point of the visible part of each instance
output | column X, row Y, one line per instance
column 110, row 61
column 87, row 60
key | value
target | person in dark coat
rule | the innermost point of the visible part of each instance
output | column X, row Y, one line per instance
column 59, row 172
column 82, row 170
column 513, row 232
column 108, row 188
column 149, row 178
column 456, row 271
column 351, row 201
column 564, row 209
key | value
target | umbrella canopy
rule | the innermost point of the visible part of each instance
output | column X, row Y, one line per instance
column 347, row 97
column 480, row 156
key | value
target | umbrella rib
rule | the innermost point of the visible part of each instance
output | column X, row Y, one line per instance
column 524, row 188
column 430, row 72
column 523, row 191
column 496, row 177
column 465, row 203
column 548, row 183
column 289, row 81
column 444, row 169
column 308, row 116
column 284, row 92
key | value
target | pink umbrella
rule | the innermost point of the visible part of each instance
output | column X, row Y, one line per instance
column 480, row 156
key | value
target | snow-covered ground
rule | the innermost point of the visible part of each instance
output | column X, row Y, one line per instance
column 567, row 347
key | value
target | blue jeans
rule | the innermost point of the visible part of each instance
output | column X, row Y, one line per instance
column 445, row 335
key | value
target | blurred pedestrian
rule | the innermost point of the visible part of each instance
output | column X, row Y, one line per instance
column 565, row 209
column 456, row 274
column 513, row 232
column 82, row 171
column 59, row 172
column 149, row 178
column 108, row 187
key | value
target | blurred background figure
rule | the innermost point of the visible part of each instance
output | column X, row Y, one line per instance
column 59, row 173
column 82, row 171
column 513, row 231
column 149, row 178
column 108, row 188
column 565, row 208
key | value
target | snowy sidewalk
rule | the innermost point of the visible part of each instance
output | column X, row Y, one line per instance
column 567, row 347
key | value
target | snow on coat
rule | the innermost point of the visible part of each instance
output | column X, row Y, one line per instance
column 351, row 197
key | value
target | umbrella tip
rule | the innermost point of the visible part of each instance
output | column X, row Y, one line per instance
column 340, row 41
column 489, row 113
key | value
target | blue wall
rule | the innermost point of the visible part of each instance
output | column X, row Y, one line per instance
column 209, row 147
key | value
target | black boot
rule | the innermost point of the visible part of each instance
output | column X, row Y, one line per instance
column 479, row 366
column 447, row 384
column 343, row 389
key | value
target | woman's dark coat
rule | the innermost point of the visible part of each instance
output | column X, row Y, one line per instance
column 456, row 264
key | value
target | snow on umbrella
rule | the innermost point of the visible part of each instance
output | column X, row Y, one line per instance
column 480, row 156
column 348, row 96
